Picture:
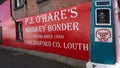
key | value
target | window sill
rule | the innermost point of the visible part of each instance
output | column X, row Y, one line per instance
column 19, row 41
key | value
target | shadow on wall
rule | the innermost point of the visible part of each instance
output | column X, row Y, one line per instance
column 119, row 20
column 2, row 1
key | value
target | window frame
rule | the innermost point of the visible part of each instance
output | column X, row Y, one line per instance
column 19, row 4
column 19, row 31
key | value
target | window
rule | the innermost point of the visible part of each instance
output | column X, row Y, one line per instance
column 103, row 16
column 19, row 34
column 19, row 3
column 39, row 1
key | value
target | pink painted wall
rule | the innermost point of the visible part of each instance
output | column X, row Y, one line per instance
column 8, row 25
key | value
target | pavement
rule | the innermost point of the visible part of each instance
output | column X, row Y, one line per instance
column 16, row 59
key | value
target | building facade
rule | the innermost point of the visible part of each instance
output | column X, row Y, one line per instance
column 57, row 29
column 49, row 27
column 29, row 8
column 41, row 23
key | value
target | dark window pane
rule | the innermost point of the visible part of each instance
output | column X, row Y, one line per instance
column 103, row 16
